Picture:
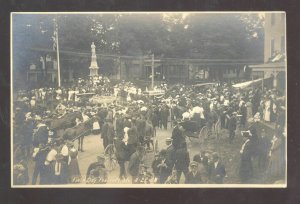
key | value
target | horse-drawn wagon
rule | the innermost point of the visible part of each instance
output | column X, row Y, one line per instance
column 196, row 131
column 198, row 128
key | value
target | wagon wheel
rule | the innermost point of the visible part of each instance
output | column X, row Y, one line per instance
column 203, row 134
column 218, row 129
column 110, row 157
column 193, row 137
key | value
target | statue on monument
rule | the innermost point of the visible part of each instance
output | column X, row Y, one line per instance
column 93, row 46
column 94, row 65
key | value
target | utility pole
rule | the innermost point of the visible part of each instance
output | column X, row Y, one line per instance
column 57, row 52
column 152, row 67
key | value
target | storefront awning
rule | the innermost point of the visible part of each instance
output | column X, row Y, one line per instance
column 247, row 84
column 279, row 66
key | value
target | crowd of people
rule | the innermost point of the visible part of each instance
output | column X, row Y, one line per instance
column 130, row 123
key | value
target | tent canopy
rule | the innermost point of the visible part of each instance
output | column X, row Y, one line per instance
column 247, row 84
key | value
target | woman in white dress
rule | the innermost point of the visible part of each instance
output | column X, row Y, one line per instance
column 267, row 111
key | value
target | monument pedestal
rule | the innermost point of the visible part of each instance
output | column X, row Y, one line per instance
column 94, row 65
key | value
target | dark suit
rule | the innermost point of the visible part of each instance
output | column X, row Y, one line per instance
column 155, row 168
column 141, row 125
column 134, row 166
column 164, row 116
column 246, row 168
column 120, row 127
column 193, row 179
column 62, row 178
column 216, row 174
column 243, row 112
column 41, row 136
column 132, row 139
column 231, row 127
column 182, row 162
column 178, row 137
column 40, row 168
column 107, row 134
column 170, row 157
column 122, row 156
column 102, row 115
column 164, row 171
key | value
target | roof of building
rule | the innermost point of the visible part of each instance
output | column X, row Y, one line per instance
column 277, row 65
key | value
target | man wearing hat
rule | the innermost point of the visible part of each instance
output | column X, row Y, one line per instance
column 41, row 134
column 194, row 176
column 182, row 160
column 246, row 168
column 164, row 114
column 127, row 121
column 122, row 155
column 232, row 125
column 132, row 137
column 102, row 115
column 216, row 170
column 39, row 156
column 119, row 124
column 164, row 167
column 134, row 163
column 96, row 172
column 107, row 133
column 177, row 135
column 141, row 125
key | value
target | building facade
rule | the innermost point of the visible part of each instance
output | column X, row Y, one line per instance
column 138, row 68
column 274, row 65
column 43, row 72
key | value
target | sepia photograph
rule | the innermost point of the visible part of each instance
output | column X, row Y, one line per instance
column 148, row 100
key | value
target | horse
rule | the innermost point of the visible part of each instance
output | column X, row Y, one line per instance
column 78, row 132
column 67, row 121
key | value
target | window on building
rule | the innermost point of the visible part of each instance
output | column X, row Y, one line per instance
column 272, row 47
column 282, row 44
column 272, row 18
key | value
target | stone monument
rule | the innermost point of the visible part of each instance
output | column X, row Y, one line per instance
column 94, row 66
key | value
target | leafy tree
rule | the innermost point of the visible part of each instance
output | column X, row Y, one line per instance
column 175, row 35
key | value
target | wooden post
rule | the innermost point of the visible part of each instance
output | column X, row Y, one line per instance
column 57, row 55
